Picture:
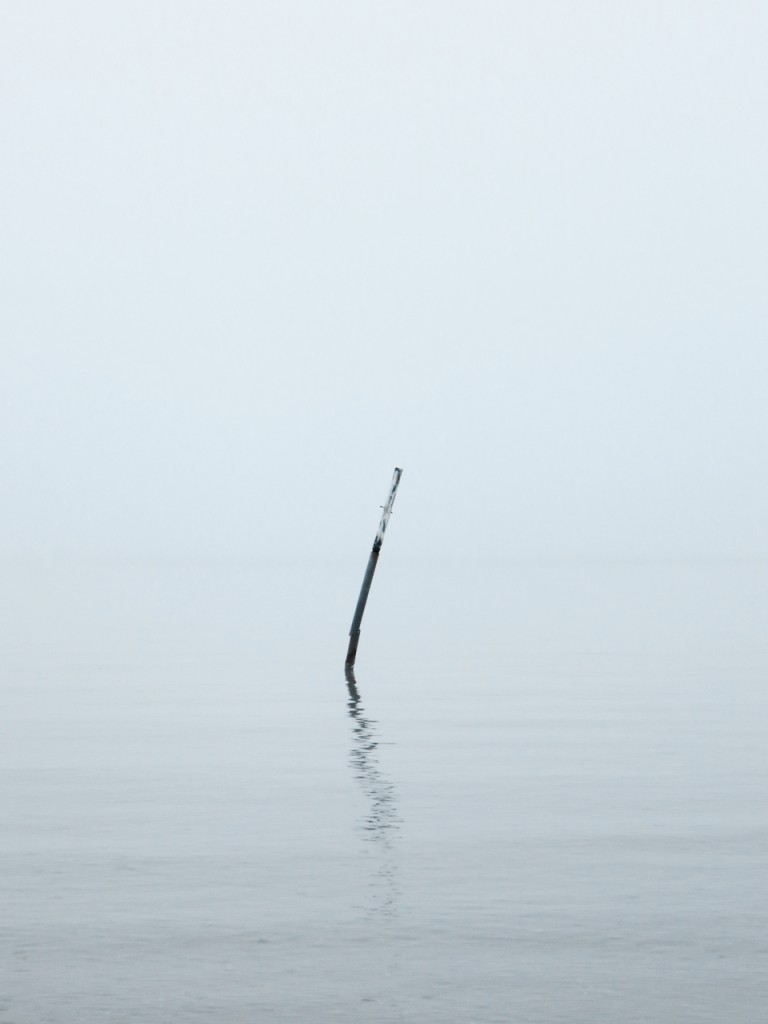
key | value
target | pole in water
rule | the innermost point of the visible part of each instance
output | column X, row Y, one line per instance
column 354, row 632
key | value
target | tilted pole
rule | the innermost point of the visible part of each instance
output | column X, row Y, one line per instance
column 354, row 632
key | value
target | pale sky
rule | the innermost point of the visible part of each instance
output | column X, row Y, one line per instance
column 254, row 255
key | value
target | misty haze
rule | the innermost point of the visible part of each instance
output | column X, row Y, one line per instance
column 254, row 256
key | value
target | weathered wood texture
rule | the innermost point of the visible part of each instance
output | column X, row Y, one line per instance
column 354, row 632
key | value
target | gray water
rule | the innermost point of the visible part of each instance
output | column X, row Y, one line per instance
column 541, row 799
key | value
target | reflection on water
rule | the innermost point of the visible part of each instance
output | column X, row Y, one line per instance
column 381, row 823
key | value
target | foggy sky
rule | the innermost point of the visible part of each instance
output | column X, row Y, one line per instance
column 254, row 255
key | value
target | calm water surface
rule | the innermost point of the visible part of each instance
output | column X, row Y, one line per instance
column 541, row 798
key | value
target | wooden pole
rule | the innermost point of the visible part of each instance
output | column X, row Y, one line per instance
column 354, row 632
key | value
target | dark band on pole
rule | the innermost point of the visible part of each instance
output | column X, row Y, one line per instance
column 354, row 632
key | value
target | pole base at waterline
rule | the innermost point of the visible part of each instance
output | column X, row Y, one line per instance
column 354, row 639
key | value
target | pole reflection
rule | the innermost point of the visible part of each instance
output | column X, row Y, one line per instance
column 381, row 823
